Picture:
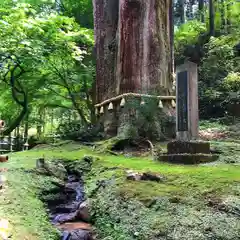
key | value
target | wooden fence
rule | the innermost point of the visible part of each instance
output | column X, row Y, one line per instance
column 13, row 144
column 19, row 143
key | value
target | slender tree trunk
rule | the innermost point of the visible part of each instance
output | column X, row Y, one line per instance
column 211, row 18
column 24, row 111
column 17, row 89
column 223, row 18
column 80, row 112
column 182, row 11
column 44, row 121
column 75, row 104
column 40, row 124
column 189, row 14
column 26, row 127
column 17, row 121
column 228, row 27
column 18, row 139
column 200, row 8
column 52, row 118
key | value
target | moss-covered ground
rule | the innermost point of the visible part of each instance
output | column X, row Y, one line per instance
column 193, row 202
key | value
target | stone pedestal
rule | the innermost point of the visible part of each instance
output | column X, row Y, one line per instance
column 187, row 158
column 188, row 152
column 190, row 147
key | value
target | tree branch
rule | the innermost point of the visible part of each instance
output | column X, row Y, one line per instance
column 58, row 94
column 13, row 80
column 80, row 112
column 56, row 105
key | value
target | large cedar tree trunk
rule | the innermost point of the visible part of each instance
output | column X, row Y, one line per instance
column 133, row 50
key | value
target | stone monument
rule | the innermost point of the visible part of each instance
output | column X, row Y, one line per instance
column 187, row 101
column 187, row 148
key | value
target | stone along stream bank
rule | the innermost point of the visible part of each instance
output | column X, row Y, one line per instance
column 66, row 201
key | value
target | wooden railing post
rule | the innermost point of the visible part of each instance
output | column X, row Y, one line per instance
column 10, row 142
column 25, row 145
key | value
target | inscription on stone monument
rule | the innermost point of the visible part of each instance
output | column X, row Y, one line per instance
column 182, row 101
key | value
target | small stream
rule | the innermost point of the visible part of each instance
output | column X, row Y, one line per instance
column 68, row 210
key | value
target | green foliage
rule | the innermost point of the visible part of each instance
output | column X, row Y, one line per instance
column 48, row 56
column 74, row 130
column 188, row 34
column 216, row 56
column 81, row 10
column 232, row 81
column 191, row 200
column 26, row 213
column 157, row 208
column 145, row 119
column 219, row 75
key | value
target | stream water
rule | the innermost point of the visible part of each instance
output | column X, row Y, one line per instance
column 66, row 211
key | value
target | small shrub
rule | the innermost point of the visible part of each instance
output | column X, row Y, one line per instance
column 147, row 120
column 75, row 131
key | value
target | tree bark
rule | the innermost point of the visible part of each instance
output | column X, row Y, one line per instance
column 171, row 22
column 16, row 91
column 228, row 20
column 182, row 11
column 26, row 127
column 200, row 8
column 211, row 18
column 223, row 19
column 143, row 61
column 105, row 27
column 40, row 124
column 17, row 121
column 133, row 47
column 189, row 12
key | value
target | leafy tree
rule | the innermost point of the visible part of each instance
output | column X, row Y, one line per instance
column 219, row 76
column 29, row 43
column 81, row 10
column 218, row 56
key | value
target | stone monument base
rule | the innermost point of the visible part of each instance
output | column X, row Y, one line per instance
column 187, row 152
column 184, row 158
column 192, row 147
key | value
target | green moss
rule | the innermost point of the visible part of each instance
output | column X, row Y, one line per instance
column 106, row 145
column 146, row 192
column 19, row 204
column 193, row 179
column 123, row 209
